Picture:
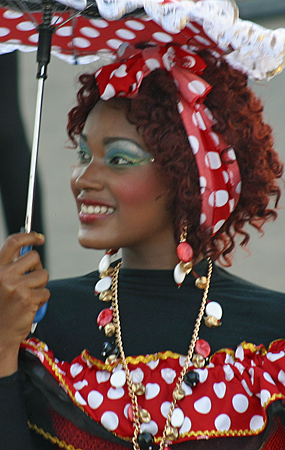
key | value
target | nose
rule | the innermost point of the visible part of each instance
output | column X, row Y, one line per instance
column 89, row 176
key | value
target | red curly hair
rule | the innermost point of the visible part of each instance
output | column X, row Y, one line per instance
column 238, row 115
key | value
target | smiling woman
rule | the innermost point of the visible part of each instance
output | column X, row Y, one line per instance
column 174, row 160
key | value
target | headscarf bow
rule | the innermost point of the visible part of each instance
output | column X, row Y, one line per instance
column 219, row 176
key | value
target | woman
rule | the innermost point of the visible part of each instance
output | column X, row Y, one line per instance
column 157, row 177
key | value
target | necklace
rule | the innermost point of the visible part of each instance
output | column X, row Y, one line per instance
column 107, row 287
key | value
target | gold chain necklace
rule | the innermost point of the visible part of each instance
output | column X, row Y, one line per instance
column 169, row 431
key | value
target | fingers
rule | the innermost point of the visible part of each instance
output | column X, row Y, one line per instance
column 11, row 249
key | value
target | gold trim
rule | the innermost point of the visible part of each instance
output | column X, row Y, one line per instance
column 52, row 439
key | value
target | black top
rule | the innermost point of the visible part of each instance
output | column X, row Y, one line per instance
column 155, row 316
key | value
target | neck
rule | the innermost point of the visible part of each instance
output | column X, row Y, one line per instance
column 152, row 257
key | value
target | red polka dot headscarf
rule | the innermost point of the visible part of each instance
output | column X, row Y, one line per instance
column 219, row 175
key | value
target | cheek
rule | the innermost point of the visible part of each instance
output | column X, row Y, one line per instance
column 138, row 190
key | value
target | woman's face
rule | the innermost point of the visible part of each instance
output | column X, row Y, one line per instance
column 121, row 198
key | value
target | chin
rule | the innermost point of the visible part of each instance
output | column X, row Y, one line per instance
column 87, row 240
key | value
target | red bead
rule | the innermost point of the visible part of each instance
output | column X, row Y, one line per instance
column 130, row 413
column 184, row 252
column 202, row 348
column 105, row 316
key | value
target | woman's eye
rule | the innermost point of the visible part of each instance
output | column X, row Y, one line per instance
column 119, row 161
column 83, row 156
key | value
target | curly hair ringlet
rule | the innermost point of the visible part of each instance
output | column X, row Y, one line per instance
column 238, row 117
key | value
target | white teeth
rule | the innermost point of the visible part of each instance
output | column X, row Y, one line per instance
column 96, row 209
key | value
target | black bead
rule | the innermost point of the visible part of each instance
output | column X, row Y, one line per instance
column 109, row 348
column 145, row 440
column 191, row 378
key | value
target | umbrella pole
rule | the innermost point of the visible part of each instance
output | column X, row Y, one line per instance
column 34, row 156
column 43, row 58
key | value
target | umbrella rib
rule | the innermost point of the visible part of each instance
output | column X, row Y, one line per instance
column 78, row 13
column 22, row 7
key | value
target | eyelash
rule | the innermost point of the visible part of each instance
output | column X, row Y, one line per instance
column 83, row 156
column 124, row 161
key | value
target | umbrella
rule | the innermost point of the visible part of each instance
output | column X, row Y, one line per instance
column 81, row 31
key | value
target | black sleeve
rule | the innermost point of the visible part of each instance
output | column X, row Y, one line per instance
column 14, row 431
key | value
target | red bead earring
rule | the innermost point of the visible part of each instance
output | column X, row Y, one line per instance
column 185, row 255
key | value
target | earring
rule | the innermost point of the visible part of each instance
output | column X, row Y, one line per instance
column 185, row 254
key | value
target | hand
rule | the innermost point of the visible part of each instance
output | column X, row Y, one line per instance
column 22, row 292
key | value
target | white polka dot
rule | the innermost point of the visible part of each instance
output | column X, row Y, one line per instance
column 80, row 384
column 203, row 405
column 191, row 61
column 223, row 422
column 246, row 388
column 238, row 188
column 90, row 32
column 135, row 25
column 99, row 23
column 26, row 26
column 264, row 396
column 137, row 375
column 110, row 420
column 108, row 93
column 231, row 154
column 126, row 410
column 102, row 376
column 75, row 369
column 9, row 14
column 281, row 377
column 218, row 225
column 120, row 72
column 125, row 34
column 240, row 403
column 215, row 138
column 193, row 28
column 203, row 374
column 195, row 144
column 34, row 38
column 186, row 427
column 218, row 198
column 239, row 367
column 203, row 40
column 64, row 31
column 114, row 43
column 150, row 427
column 194, row 119
column 226, row 176
column 256, row 423
column 203, row 218
column 81, row 42
column 164, row 409
column 232, row 204
column 200, row 121
column 78, row 397
column 151, row 390
column 118, row 378
column 139, row 76
column 213, row 160
column 4, row 31
column 152, row 63
column 187, row 389
column 239, row 353
column 275, row 356
column 197, row 87
column 211, row 117
column 268, row 378
column 153, row 364
column 229, row 373
column 168, row 375
column 177, row 418
column 95, row 399
column 182, row 360
column 220, row 389
column 162, row 37
column 180, row 107
column 56, row 20
column 203, row 184
column 114, row 394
